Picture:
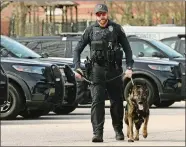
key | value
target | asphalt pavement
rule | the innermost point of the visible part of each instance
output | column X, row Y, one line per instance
column 166, row 128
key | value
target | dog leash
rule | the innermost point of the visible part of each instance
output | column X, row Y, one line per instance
column 84, row 78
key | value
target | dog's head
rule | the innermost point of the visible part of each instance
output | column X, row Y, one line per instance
column 138, row 96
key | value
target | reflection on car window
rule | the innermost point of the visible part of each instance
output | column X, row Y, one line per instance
column 170, row 43
column 166, row 49
column 55, row 48
column 17, row 48
column 182, row 47
column 84, row 54
column 143, row 47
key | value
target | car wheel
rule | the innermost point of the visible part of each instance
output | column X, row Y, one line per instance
column 141, row 81
column 12, row 107
column 164, row 104
column 63, row 110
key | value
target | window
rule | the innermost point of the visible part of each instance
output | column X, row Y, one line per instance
column 166, row 49
column 17, row 49
column 84, row 54
column 182, row 47
column 53, row 48
column 142, row 47
column 170, row 43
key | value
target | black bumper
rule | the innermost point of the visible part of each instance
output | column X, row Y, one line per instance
column 172, row 97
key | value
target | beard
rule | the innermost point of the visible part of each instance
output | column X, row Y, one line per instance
column 103, row 22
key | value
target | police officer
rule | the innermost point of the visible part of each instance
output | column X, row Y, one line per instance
column 105, row 38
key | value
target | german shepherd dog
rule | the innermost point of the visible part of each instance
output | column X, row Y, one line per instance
column 137, row 112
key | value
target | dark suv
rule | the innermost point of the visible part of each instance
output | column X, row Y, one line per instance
column 156, row 64
column 3, row 86
column 37, row 84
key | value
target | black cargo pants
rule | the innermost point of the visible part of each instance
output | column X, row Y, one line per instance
column 99, row 91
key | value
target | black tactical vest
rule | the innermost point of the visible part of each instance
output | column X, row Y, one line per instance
column 103, row 44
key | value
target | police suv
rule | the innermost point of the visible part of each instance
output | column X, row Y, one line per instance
column 157, row 65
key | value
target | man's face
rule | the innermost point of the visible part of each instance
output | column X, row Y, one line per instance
column 102, row 17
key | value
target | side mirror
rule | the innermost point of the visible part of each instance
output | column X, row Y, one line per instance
column 140, row 54
column 45, row 55
column 157, row 54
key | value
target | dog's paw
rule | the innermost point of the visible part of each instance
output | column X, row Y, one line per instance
column 145, row 134
column 136, row 138
column 130, row 140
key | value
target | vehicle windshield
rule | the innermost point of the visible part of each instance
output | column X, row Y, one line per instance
column 166, row 49
column 17, row 48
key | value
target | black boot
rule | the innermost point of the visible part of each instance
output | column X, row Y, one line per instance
column 119, row 135
column 97, row 138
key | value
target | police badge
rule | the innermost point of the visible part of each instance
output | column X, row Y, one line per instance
column 122, row 30
column 110, row 28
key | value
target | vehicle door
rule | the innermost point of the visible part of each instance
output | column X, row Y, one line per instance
column 3, row 86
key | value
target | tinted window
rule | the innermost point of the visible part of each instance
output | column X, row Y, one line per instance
column 55, row 48
column 182, row 47
column 84, row 54
column 170, row 43
column 143, row 47
column 166, row 49
column 17, row 48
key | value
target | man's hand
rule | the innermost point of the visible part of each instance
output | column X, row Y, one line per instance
column 128, row 73
column 78, row 73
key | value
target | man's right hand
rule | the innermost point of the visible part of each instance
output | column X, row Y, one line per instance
column 78, row 73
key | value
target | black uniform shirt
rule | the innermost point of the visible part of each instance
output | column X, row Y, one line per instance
column 86, row 39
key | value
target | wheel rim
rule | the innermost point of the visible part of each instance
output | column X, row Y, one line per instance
column 7, row 105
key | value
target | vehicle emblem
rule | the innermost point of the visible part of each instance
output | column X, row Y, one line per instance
column 110, row 28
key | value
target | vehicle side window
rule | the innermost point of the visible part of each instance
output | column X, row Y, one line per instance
column 84, row 54
column 53, row 48
column 170, row 43
column 182, row 47
column 142, row 47
column 35, row 46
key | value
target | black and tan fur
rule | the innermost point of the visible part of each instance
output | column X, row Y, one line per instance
column 134, row 115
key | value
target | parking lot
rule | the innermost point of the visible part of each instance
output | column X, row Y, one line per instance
column 166, row 128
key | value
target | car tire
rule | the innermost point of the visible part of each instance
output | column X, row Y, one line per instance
column 151, row 89
column 164, row 104
column 12, row 108
column 63, row 110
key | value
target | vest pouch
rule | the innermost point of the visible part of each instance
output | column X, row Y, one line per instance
column 99, row 51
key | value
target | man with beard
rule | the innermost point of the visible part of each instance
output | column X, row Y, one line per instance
column 105, row 38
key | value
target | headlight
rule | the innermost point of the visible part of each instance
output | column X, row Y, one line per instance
column 161, row 67
column 29, row 69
